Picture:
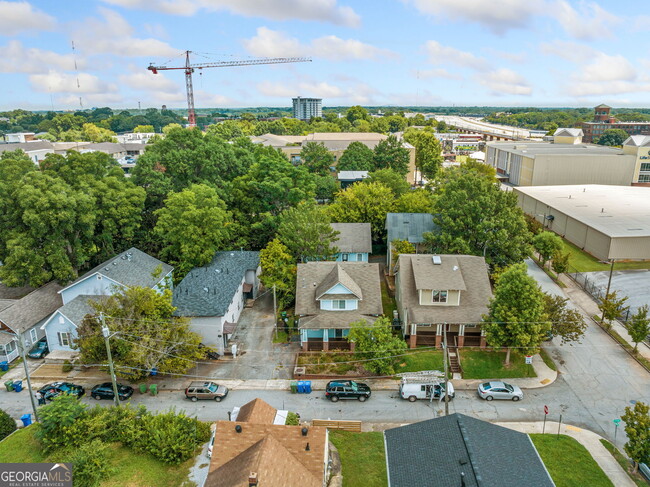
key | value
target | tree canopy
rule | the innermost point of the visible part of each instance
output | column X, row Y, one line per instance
column 307, row 233
column 357, row 157
column 566, row 321
column 317, row 158
column 376, row 344
column 637, row 429
column 389, row 154
column 279, row 270
column 612, row 137
column 428, row 152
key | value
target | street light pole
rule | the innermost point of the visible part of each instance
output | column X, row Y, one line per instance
column 21, row 345
column 609, row 283
column 106, row 333
column 446, row 358
column 275, row 313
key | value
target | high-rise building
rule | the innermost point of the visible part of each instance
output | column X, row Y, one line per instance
column 306, row 108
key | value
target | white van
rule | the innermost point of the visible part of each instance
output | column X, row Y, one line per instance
column 424, row 390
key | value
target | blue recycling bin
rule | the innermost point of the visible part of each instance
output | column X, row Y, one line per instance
column 26, row 419
column 18, row 385
column 4, row 366
column 154, row 371
column 307, row 387
column 301, row 387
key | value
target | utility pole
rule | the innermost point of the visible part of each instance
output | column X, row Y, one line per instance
column 21, row 345
column 446, row 358
column 106, row 333
column 275, row 313
column 609, row 283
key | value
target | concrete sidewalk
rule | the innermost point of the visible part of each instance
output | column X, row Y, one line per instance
column 589, row 439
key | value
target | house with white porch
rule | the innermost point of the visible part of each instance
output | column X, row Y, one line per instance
column 330, row 296
column 213, row 296
column 131, row 268
column 354, row 241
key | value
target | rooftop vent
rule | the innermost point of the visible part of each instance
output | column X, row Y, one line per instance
column 304, row 431
column 238, row 428
column 115, row 263
column 436, row 260
column 106, row 268
column 307, row 447
column 455, row 267
column 207, row 290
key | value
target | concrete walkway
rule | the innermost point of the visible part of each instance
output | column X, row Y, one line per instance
column 588, row 439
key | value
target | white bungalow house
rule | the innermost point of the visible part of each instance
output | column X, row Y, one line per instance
column 128, row 269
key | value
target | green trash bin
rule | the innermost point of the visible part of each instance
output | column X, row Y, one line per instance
column 9, row 385
column 153, row 388
column 143, row 388
column 294, row 387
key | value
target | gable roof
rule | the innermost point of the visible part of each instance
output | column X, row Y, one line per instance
column 31, row 309
column 208, row 290
column 568, row 132
column 353, row 237
column 7, row 292
column 27, row 146
column 446, row 447
column 409, row 226
column 338, row 276
column 257, row 411
column 77, row 309
column 130, row 268
column 602, row 105
column 474, row 298
column 638, row 140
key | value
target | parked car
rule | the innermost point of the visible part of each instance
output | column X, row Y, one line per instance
column 645, row 471
column 105, row 391
column 40, row 349
column 347, row 389
column 55, row 389
column 205, row 390
column 420, row 390
column 499, row 390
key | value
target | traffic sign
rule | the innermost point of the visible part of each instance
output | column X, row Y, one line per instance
column 529, row 359
column 616, row 421
column 545, row 409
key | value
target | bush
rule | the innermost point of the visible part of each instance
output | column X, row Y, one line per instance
column 90, row 464
column 292, row 419
column 66, row 367
column 58, row 421
column 7, row 425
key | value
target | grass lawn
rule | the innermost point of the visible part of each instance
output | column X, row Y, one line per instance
column 488, row 364
column 424, row 360
column 547, row 359
column 131, row 469
column 584, row 262
column 387, row 302
column 363, row 458
column 330, row 363
column 282, row 337
column 568, row 462
column 14, row 364
column 623, row 462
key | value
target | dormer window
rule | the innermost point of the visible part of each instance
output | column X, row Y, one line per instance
column 439, row 296
column 338, row 304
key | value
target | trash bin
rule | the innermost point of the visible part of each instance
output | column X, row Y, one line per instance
column 294, row 386
column 143, row 388
column 26, row 419
column 9, row 385
column 4, row 366
column 154, row 371
column 307, row 387
column 18, row 385
column 153, row 388
column 301, row 387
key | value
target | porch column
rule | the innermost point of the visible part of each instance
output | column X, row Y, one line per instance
column 326, row 343
column 439, row 335
column 461, row 335
column 413, row 339
column 483, row 340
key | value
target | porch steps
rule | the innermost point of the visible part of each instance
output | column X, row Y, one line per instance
column 454, row 364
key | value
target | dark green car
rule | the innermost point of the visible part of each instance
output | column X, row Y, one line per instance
column 347, row 389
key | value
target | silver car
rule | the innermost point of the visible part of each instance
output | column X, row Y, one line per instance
column 499, row 390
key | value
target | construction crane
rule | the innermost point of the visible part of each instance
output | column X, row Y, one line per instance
column 189, row 69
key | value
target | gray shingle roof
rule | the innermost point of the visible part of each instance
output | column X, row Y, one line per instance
column 77, row 309
column 435, row 452
column 408, row 226
column 131, row 268
column 446, row 275
column 353, row 237
column 27, row 146
column 473, row 301
column 207, row 291
column 36, row 306
column 7, row 292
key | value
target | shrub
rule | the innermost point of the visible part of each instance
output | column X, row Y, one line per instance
column 58, row 423
column 90, row 464
column 7, row 425
column 292, row 419
column 66, row 367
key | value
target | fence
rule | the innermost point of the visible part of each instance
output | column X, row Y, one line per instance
column 338, row 425
column 596, row 292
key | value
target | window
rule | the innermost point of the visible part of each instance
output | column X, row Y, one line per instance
column 33, row 335
column 644, row 178
column 645, row 166
column 359, row 257
column 338, row 304
column 344, row 257
column 439, row 296
column 64, row 339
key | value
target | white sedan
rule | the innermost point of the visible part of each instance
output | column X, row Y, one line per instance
column 499, row 390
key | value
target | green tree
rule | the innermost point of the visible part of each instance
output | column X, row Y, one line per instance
column 171, row 126
column 192, row 226
column 56, row 420
column 379, row 125
column 391, row 179
column 90, row 464
column 389, row 154
column 547, row 244
column 415, row 201
column 637, row 430
column 516, row 317
column 279, row 270
column 560, row 263
column 317, row 158
column 401, row 247
column 93, row 133
column 143, row 129
column 428, row 152
column 364, row 203
column 307, row 233
column 376, row 341
column 146, row 335
column 566, row 322
column 326, row 188
column 7, row 425
column 612, row 137
column 396, row 123
column 474, row 216
column 355, row 113
column 611, row 307
column 357, row 157
column 639, row 326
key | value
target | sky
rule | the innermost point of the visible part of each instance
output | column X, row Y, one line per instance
column 368, row 52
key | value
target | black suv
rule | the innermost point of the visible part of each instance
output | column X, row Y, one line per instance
column 105, row 391
column 347, row 389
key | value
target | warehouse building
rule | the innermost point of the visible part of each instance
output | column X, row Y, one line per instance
column 609, row 222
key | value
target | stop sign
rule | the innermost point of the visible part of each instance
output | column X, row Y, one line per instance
column 545, row 409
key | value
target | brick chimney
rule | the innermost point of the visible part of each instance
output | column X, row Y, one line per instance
column 252, row 479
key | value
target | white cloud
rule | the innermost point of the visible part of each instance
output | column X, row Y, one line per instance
column 147, row 81
column 505, row 82
column 96, row 99
column 114, row 36
column 439, row 54
column 16, row 17
column 435, row 73
column 607, row 88
column 499, row 16
column 608, row 68
column 320, row 89
column 272, row 43
column 58, row 82
column 19, row 59
column 318, row 10
column 591, row 22
column 514, row 57
column 569, row 50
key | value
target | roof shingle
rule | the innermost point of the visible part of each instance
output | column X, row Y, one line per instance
column 353, row 237
column 36, row 306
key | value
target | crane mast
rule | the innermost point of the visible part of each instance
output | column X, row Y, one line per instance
column 189, row 69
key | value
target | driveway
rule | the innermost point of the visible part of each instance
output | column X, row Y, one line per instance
column 635, row 284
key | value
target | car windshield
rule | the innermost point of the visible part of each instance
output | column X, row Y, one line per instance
column 509, row 387
column 64, row 387
column 213, row 388
column 353, row 385
column 487, row 386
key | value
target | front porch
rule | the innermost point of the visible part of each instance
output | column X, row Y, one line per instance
column 431, row 335
column 325, row 340
column 8, row 350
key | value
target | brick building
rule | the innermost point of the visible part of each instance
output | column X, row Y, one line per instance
column 604, row 121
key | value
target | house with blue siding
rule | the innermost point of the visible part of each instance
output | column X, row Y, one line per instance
column 330, row 296
column 213, row 296
column 131, row 268
column 409, row 227
column 354, row 241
